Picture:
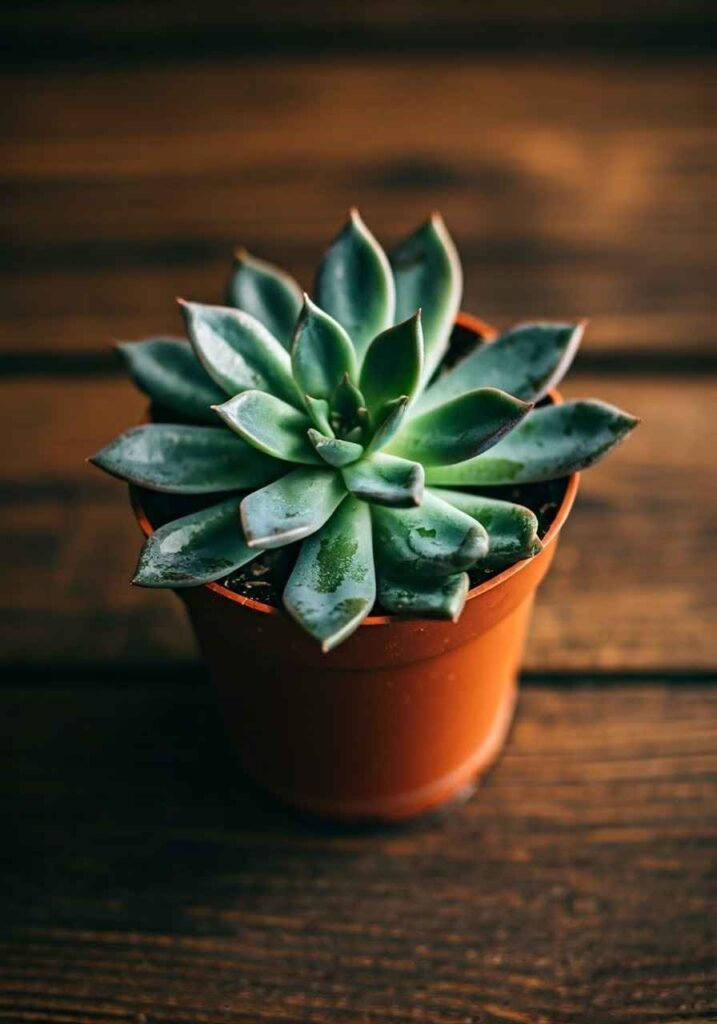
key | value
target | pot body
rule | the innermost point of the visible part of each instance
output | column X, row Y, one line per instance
column 399, row 719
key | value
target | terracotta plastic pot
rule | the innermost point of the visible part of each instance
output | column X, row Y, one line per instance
column 399, row 719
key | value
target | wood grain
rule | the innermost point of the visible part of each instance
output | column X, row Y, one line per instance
column 569, row 189
column 630, row 587
column 143, row 880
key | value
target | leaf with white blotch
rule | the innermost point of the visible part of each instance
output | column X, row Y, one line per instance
column 186, row 460
column 321, row 353
column 386, row 480
column 239, row 352
column 527, row 362
column 270, row 425
column 512, row 529
column 354, row 284
column 168, row 371
column 291, row 508
column 267, row 293
column 392, row 366
column 550, row 442
column 434, row 539
column 319, row 411
column 334, row 451
column 394, row 414
column 441, row 598
column 460, row 429
column 428, row 276
column 333, row 586
column 195, row 549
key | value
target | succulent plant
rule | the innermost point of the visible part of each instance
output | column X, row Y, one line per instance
column 331, row 422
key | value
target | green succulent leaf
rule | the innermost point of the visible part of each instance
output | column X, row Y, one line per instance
column 197, row 548
column 385, row 480
column 461, row 428
column 239, row 352
column 186, row 460
column 392, row 366
column 321, row 352
column 270, row 425
column 291, row 508
column 432, row 540
column 550, row 442
column 527, row 362
column 168, row 371
column 354, row 284
column 428, row 275
column 320, row 412
column 394, row 414
column 347, row 404
column 334, row 451
column 441, row 598
column 333, row 586
column 267, row 293
column 512, row 529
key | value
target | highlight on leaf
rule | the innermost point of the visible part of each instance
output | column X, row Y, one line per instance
column 267, row 293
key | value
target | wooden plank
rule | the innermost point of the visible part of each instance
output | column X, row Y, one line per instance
column 630, row 588
column 573, row 188
column 575, row 885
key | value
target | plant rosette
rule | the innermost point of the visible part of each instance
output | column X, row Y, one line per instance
column 347, row 435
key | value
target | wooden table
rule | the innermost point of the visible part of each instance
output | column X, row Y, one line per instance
column 143, row 880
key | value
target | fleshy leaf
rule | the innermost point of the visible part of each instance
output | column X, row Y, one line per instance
column 319, row 411
column 394, row 414
column 460, row 429
column 239, row 352
column 186, row 460
column 197, row 548
column 550, row 442
column 527, row 362
column 428, row 275
column 291, row 508
column 386, row 480
column 333, row 586
column 346, row 404
column 512, row 529
column 267, row 293
column 355, row 284
column 432, row 540
column 334, row 451
column 168, row 371
column 321, row 353
column 441, row 598
column 392, row 366
column 270, row 425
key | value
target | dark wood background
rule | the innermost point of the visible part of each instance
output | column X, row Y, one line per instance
column 570, row 149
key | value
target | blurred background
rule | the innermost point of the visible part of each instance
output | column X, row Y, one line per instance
column 570, row 148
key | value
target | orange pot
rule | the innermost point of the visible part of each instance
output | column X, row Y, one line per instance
column 401, row 718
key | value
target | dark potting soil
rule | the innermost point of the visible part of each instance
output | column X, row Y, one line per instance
column 264, row 578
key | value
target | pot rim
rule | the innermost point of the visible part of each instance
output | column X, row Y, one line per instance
column 486, row 331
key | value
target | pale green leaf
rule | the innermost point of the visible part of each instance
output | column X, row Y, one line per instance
column 526, row 362
column 386, row 480
column 460, row 429
column 333, row 586
column 550, row 442
column 270, row 425
column 512, row 529
column 392, row 366
column 432, row 540
column 394, row 414
column 428, row 276
column 334, row 451
column 321, row 353
column 441, row 598
column 168, row 371
column 239, row 352
column 267, row 293
column 186, row 459
column 198, row 548
column 320, row 412
column 354, row 284
column 291, row 508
